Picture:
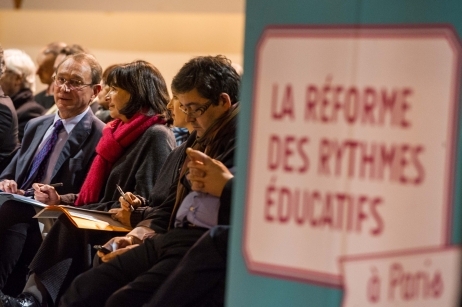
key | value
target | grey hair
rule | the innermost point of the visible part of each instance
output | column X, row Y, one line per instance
column 21, row 64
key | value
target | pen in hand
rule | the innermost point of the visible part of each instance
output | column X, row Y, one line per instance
column 30, row 192
column 122, row 193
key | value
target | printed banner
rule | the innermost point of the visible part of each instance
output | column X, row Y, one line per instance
column 426, row 278
column 352, row 148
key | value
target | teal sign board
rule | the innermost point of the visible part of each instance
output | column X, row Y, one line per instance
column 349, row 155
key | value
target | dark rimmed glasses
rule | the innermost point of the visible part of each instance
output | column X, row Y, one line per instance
column 195, row 113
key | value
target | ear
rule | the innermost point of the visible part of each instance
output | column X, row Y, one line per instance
column 225, row 101
column 96, row 89
column 17, row 81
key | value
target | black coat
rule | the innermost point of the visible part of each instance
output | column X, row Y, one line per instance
column 26, row 109
column 8, row 129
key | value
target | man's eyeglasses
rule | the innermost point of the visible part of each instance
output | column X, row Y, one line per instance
column 195, row 113
column 71, row 84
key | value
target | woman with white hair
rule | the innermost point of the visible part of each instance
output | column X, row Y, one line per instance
column 18, row 82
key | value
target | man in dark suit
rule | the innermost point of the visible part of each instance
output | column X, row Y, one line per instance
column 8, row 123
column 76, row 132
column 18, row 82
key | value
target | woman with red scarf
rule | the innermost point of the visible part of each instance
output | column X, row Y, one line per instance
column 130, row 154
column 134, row 145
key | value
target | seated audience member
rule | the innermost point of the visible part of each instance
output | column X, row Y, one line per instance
column 102, row 111
column 8, row 124
column 130, row 154
column 207, row 90
column 199, row 280
column 196, row 282
column 45, row 71
column 18, row 82
column 170, row 177
column 55, row 148
column 63, row 53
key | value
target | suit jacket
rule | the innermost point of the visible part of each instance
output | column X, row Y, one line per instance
column 73, row 162
column 8, row 129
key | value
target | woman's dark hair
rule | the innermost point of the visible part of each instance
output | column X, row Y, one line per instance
column 210, row 76
column 147, row 88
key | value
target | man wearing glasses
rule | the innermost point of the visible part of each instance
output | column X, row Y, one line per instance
column 57, row 148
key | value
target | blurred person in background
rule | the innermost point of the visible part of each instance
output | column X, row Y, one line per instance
column 8, row 124
column 102, row 101
column 18, row 82
column 45, row 71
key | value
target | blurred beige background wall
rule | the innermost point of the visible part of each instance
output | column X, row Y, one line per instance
column 166, row 36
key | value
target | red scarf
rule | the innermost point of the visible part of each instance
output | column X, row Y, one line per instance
column 117, row 136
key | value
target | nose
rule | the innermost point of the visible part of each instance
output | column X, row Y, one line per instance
column 169, row 105
column 190, row 119
column 64, row 87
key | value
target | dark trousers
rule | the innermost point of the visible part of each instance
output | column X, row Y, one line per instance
column 20, row 239
column 66, row 252
column 199, row 279
column 133, row 277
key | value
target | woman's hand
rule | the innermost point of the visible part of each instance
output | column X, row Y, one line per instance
column 46, row 194
column 123, row 214
column 133, row 201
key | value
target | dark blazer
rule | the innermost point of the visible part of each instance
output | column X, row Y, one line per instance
column 26, row 109
column 8, row 129
column 74, row 160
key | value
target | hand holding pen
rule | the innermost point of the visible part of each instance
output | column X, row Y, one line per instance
column 46, row 193
column 31, row 191
column 128, row 201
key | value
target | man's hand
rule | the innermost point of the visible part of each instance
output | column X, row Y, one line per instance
column 206, row 174
column 10, row 186
column 46, row 194
column 118, row 246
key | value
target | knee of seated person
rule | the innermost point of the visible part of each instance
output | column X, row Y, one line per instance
column 119, row 298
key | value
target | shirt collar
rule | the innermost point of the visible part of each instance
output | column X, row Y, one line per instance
column 70, row 123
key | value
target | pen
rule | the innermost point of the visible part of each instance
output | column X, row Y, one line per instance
column 30, row 192
column 123, row 195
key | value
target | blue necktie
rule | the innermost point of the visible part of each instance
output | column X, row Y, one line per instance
column 40, row 161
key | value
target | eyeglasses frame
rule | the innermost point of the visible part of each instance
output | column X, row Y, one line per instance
column 70, row 87
column 202, row 109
